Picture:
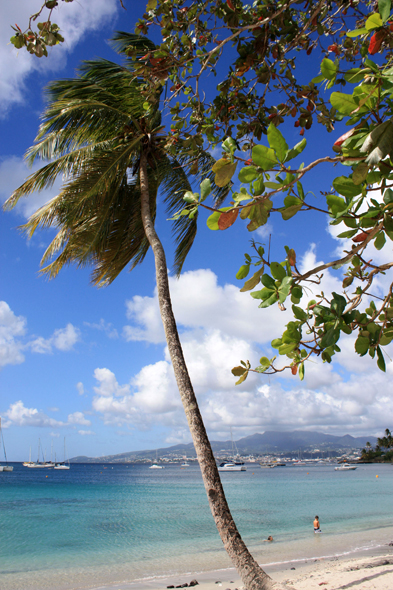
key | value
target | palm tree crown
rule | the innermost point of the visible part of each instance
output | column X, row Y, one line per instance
column 92, row 133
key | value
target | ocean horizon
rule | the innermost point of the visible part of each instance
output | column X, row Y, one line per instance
column 100, row 524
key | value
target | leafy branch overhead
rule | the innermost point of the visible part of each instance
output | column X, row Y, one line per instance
column 240, row 76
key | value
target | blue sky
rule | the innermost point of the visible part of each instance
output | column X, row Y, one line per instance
column 92, row 365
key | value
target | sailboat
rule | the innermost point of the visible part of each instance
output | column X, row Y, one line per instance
column 5, row 467
column 38, row 464
column 63, row 465
column 235, row 464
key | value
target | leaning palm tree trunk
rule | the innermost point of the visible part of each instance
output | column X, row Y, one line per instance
column 254, row 578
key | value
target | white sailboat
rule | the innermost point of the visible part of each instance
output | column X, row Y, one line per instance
column 5, row 467
column 37, row 464
column 65, row 464
column 235, row 464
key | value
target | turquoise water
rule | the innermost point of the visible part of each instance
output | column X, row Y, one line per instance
column 94, row 524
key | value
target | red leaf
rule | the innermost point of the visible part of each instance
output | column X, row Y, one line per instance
column 360, row 237
column 230, row 4
column 227, row 219
column 342, row 138
column 376, row 41
column 294, row 370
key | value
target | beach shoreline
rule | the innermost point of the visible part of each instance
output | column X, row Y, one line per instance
column 370, row 569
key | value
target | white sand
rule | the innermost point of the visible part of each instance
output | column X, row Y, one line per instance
column 356, row 573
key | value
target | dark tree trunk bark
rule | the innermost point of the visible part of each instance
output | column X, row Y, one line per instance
column 254, row 578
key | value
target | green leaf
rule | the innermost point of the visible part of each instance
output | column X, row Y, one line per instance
column 278, row 272
column 360, row 173
column 344, row 103
column 252, row 282
column 357, row 32
column 264, row 157
column 224, row 174
column 268, row 281
column 380, row 240
column 290, row 212
column 276, row 343
column 355, row 75
column 287, row 348
column 268, row 302
column 151, row 5
column 388, row 223
column 388, row 196
column 295, row 151
column 263, row 293
column 258, row 187
column 242, row 378
column 229, row 145
column 238, row 371
column 212, row 220
column 328, row 68
column 243, row 272
column 374, row 22
column 299, row 313
column 248, row 174
column 348, row 234
column 264, row 361
column 330, row 338
column 205, row 188
column 301, row 371
column 346, row 187
column 380, row 360
column 362, row 345
column 277, row 142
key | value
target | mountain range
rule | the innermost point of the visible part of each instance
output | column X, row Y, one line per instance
column 298, row 441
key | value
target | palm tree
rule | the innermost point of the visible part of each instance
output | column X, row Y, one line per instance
column 112, row 152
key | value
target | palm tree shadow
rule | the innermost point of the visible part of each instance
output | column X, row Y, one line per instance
column 363, row 580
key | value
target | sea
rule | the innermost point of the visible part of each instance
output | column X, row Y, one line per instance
column 105, row 525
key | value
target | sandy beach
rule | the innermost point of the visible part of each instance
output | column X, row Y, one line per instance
column 365, row 572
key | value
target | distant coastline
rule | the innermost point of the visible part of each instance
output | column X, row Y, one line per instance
column 307, row 444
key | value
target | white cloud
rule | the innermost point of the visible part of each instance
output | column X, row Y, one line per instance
column 86, row 432
column 12, row 328
column 63, row 339
column 78, row 418
column 218, row 329
column 80, row 388
column 75, row 19
column 22, row 416
column 200, row 303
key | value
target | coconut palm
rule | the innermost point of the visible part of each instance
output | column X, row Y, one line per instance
column 111, row 150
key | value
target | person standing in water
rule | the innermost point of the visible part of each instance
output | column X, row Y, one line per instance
column 316, row 525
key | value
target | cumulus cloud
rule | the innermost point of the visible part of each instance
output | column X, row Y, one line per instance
column 75, row 19
column 217, row 331
column 19, row 415
column 62, row 339
column 12, row 329
column 78, row 418
column 225, row 308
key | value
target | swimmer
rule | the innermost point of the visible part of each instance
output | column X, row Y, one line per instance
column 316, row 525
column 270, row 539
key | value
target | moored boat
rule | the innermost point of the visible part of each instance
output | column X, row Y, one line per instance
column 345, row 467
column 5, row 467
column 232, row 466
